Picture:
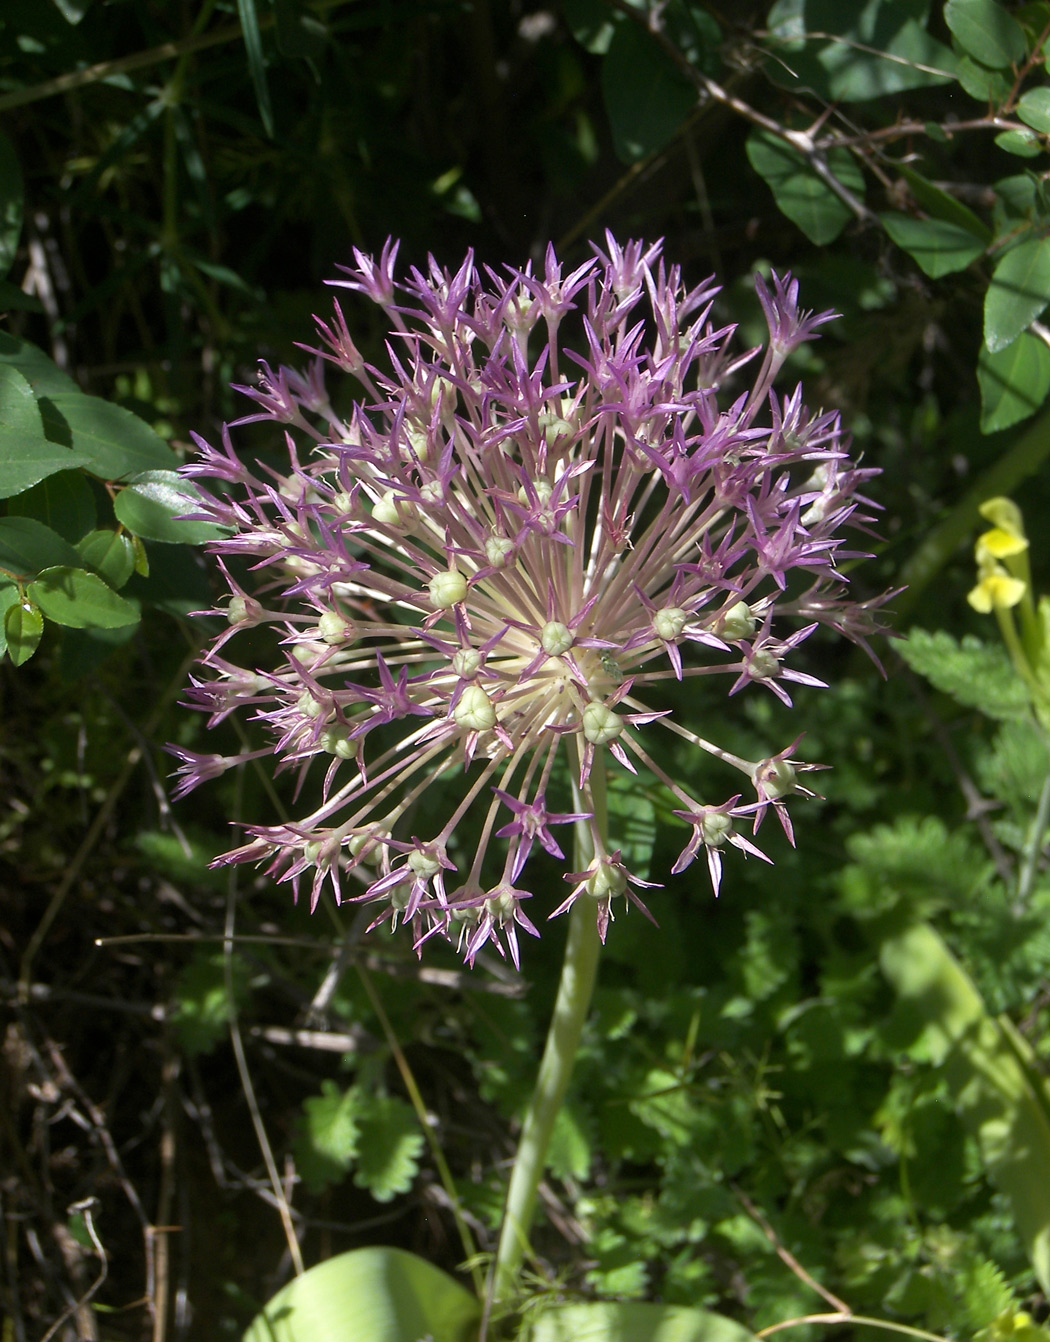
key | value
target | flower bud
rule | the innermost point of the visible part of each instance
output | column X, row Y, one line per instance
column 447, row 589
column 466, row 663
column 474, row 710
column 669, row 622
column 334, row 628
column 738, row 622
column 498, row 550
column 556, row 638
column 600, row 724
column 394, row 512
column 336, row 740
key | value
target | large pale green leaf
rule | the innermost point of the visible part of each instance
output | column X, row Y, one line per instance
column 12, row 203
column 994, row 1080
column 985, row 31
column 855, row 52
column 370, row 1295
column 799, row 190
column 81, row 600
column 646, row 96
column 633, row 1322
column 27, row 546
column 117, row 443
column 1014, row 382
column 1018, row 293
column 42, row 373
column 938, row 247
column 26, row 456
column 153, row 505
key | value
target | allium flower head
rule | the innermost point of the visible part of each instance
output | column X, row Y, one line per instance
column 556, row 494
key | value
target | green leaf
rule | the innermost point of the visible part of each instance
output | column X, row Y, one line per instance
column 974, row 673
column 23, row 628
column 153, row 503
column 942, row 206
column 982, row 84
column 42, row 373
column 81, row 600
column 570, row 1152
column 372, row 1295
column 27, row 546
column 1018, row 293
column 1021, row 143
column 1014, row 382
column 938, row 247
column 26, row 455
column 116, row 443
column 855, row 52
column 994, row 1080
column 12, row 204
column 985, row 31
column 63, row 502
column 326, row 1144
column 800, row 192
column 390, row 1146
column 110, row 554
column 632, row 1321
column 647, row 97
column 256, row 61
column 1034, row 109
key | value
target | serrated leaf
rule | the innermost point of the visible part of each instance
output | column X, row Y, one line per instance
column 939, row 248
column 1034, row 109
column 372, row 1295
column 81, row 600
column 986, row 31
column 26, row 455
column 116, row 443
column 800, row 192
column 63, row 502
column 646, row 96
column 327, row 1140
column 975, row 674
column 1014, row 382
column 389, row 1148
column 110, row 554
column 23, row 628
column 1018, row 293
column 27, row 546
column 153, row 505
column 12, row 204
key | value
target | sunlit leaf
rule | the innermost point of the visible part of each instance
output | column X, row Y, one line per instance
column 154, row 504
column 23, row 628
column 986, row 31
column 1014, row 382
column 800, row 191
column 939, row 248
column 74, row 597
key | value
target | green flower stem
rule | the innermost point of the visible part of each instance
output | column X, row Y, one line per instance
column 575, row 989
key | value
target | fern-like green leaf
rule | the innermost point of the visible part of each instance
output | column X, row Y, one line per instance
column 975, row 674
column 327, row 1141
column 986, row 1295
column 389, row 1150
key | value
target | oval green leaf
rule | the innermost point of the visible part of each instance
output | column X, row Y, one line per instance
column 154, row 504
column 938, row 247
column 27, row 546
column 369, row 1295
column 985, row 31
column 116, row 443
column 1018, row 293
column 26, row 455
column 63, row 502
column 799, row 191
column 110, row 554
column 646, row 96
column 23, row 628
column 1014, row 382
column 81, row 600
column 1034, row 110
column 1020, row 143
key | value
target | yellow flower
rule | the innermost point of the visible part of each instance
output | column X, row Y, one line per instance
column 997, row 590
